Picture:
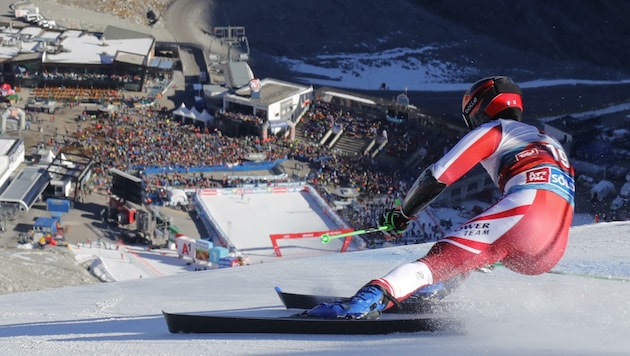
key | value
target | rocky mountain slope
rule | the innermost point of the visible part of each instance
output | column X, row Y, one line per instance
column 529, row 39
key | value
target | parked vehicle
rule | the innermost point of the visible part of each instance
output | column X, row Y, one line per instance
column 34, row 18
column 47, row 23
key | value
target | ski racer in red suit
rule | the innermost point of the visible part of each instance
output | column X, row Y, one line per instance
column 527, row 229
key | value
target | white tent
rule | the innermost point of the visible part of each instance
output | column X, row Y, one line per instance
column 66, row 162
column 47, row 157
column 194, row 113
column 205, row 118
column 182, row 111
column 190, row 116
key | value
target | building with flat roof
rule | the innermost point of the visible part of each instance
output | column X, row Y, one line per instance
column 11, row 156
column 25, row 188
column 265, row 105
column 118, row 58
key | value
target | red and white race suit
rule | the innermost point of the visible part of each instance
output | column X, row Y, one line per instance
column 527, row 229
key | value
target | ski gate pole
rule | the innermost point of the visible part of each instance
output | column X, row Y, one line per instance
column 325, row 238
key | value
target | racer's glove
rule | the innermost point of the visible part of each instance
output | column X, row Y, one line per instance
column 396, row 221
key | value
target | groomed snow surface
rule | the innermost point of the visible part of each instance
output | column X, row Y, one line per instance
column 248, row 217
column 248, row 220
column 583, row 309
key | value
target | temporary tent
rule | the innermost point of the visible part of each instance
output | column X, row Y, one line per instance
column 182, row 111
column 48, row 157
column 205, row 118
column 191, row 116
column 177, row 197
column 5, row 89
column 194, row 113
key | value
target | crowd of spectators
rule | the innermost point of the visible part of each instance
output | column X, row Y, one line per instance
column 75, row 96
column 67, row 88
column 240, row 117
column 134, row 140
column 323, row 116
column 71, row 76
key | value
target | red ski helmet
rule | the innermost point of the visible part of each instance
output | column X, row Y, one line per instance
column 492, row 98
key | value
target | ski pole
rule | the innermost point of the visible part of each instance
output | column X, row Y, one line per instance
column 325, row 238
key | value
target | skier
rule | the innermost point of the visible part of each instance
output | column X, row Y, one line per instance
column 527, row 229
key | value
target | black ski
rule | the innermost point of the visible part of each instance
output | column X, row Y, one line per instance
column 305, row 301
column 296, row 324
column 409, row 306
column 413, row 315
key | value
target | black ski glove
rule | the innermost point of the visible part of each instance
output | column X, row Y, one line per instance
column 395, row 220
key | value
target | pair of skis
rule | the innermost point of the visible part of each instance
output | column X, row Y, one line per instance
column 413, row 316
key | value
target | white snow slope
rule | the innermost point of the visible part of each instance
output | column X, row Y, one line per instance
column 583, row 311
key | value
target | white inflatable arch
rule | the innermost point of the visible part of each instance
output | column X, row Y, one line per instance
column 15, row 114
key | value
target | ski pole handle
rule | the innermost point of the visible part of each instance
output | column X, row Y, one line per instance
column 325, row 238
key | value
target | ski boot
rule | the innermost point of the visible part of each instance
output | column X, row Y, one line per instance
column 432, row 293
column 367, row 303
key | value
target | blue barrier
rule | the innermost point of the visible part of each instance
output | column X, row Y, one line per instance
column 243, row 167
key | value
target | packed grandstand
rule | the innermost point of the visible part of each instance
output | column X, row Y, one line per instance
column 179, row 153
